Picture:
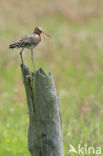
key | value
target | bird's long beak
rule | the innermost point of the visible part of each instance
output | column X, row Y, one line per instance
column 45, row 35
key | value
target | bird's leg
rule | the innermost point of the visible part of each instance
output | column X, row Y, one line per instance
column 32, row 57
column 21, row 55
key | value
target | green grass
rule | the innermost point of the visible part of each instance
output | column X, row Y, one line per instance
column 74, row 56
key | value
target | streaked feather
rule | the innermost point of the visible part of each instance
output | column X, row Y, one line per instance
column 27, row 41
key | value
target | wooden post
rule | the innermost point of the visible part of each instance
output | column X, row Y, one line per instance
column 44, row 133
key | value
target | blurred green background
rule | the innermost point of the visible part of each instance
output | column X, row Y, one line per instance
column 74, row 55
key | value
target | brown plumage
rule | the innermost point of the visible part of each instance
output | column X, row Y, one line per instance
column 29, row 41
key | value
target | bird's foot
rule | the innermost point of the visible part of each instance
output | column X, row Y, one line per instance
column 21, row 64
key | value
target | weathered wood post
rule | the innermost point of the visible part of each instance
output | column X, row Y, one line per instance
column 44, row 133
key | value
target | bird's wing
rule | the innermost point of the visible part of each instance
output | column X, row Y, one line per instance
column 29, row 40
column 26, row 41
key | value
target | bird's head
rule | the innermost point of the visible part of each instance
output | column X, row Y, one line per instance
column 39, row 31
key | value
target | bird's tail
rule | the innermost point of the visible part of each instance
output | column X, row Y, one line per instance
column 14, row 45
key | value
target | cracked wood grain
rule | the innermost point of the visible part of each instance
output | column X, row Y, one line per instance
column 44, row 133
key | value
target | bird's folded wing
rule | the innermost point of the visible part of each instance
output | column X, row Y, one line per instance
column 28, row 40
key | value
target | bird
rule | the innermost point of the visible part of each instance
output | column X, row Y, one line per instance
column 30, row 42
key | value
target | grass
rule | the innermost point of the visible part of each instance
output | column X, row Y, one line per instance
column 74, row 56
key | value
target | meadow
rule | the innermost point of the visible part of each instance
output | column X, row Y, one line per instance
column 74, row 55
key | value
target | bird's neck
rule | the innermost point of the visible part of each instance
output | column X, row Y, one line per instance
column 40, row 37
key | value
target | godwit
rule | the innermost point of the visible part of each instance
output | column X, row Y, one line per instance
column 29, row 41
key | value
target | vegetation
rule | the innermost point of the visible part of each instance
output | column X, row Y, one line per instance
column 75, row 57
